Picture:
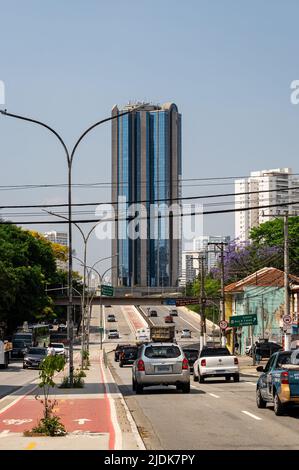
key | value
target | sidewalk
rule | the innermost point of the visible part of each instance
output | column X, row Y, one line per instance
column 95, row 416
column 247, row 367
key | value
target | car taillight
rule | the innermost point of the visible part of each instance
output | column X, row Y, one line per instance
column 185, row 364
column 236, row 360
column 284, row 377
column 140, row 365
column 203, row 362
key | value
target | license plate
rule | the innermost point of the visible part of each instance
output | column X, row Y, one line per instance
column 163, row 368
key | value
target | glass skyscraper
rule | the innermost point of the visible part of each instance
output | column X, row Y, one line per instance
column 146, row 167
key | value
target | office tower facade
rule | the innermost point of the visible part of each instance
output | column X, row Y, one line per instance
column 190, row 267
column 275, row 183
column 146, row 166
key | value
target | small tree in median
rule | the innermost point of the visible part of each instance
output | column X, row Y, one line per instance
column 50, row 424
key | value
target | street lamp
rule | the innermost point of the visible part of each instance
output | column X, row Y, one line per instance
column 101, row 277
column 70, row 157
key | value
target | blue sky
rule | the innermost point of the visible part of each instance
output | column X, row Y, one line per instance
column 227, row 65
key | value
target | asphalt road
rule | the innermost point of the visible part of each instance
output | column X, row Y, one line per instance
column 215, row 415
column 14, row 377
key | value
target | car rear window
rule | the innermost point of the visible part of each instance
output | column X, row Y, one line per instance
column 214, row 352
column 163, row 352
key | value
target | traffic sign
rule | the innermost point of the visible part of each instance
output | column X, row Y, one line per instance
column 186, row 301
column 169, row 302
column 287, row 319
column 107, row 290
column 243, row 320
column 223, row 324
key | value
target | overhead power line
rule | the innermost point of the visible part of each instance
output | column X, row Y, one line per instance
column 159, row 216
column 143, row 201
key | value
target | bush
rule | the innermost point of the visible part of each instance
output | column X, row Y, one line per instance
column 50, row 426
column 78, row 381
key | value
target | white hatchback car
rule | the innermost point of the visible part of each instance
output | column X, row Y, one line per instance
column 186, row 333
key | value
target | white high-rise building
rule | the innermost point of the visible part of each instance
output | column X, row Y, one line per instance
column 274, row 183
column 211, row 254
column 62, row 239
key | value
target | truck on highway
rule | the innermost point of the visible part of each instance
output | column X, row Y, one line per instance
column 162, row 333
column 5, row 353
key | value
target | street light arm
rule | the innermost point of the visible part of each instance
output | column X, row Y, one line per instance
column 66, row 218
column 40, row 123
column 111, row 118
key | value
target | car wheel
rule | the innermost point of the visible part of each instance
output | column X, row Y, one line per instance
column 121, row 364
column 260, row 402
column 185, row 388
column 201, row 379
column 227, row 378
column 133, row 385
column 195, row 377
column 178, row 387
column 236, row 378
column 278, row 406
column 138, row 388
column 24, row 367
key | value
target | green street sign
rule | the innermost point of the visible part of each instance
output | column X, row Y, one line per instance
column 107, row 290
column 243, row 320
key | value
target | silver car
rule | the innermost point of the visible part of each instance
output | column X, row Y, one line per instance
column 161, row 364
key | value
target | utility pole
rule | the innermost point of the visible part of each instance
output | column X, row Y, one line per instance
column 203, row 329
column 202, row 300
column 220, row 246
column 286, row 276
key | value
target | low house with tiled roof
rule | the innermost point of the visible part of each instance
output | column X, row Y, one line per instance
column 262, row 294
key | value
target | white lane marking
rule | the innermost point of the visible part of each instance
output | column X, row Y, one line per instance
column 251, row 415
column 81, row 420
column 251, row 383
column 213, row 395
column 186, row 321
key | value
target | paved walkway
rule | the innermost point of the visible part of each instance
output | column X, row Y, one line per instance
column 247, row 367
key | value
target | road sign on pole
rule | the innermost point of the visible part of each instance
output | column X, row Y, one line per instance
column 186, row 301
column 243, row 320
column 223, row 324
column 107, row 290
column 287, row 320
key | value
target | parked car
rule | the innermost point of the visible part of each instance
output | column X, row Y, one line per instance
column 111, row 317
column 168, row 319
column 62, row 328
column 113, row 334
column 186, row 333
column 153, row 313
column 58, row 348
column 267, row 348
column 216, row 362
column 174, row 312
column 128, row 355
column 192, row 355
column 279, row 382
column 34, row 357
column 161, row 364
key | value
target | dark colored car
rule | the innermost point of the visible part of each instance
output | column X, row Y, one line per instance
column 153, row 313
column 33, row 357
column 128, row 356
column 119, row 349
column 267, row 348
column 191, row 354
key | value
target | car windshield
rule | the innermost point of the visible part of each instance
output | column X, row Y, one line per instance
column 185, row 331
column 56, row 345
column 37, row 351
column 112, row 331
column 214, row 352
column 162, row 352
column 130, row 350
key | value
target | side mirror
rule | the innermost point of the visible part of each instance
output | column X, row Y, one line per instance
column 260, row 369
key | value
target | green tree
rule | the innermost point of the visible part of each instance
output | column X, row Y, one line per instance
column 271, row 234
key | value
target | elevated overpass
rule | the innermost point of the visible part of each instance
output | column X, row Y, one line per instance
column 120, row 300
